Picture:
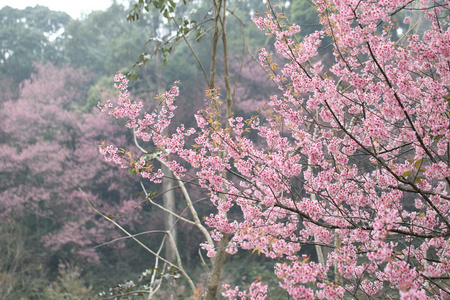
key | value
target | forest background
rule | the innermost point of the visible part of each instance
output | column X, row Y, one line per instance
column 53, row 72
column 339, row 177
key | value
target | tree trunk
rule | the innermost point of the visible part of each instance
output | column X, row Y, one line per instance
column 221, row 254
column 217, row 264
column 167, row 182
column 169, row 219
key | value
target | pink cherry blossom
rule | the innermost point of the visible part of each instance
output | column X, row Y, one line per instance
column 351, row 156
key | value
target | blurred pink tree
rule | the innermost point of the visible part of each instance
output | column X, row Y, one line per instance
column 48, row 151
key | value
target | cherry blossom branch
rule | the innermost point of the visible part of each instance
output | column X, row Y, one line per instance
column 425, row 192
column 191, row 207
column 386, row 167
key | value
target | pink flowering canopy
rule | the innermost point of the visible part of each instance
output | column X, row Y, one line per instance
column 352, row 156
column 47, row 153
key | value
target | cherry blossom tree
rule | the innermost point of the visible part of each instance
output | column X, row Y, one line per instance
column 352, row 158
column 47, row 153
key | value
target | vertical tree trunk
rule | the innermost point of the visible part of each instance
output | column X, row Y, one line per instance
column 217, row 264
column 169, row 219
column 337, row 275
column 221, row 254
column 167, row 182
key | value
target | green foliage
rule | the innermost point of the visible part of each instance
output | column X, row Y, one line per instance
column 27, row 36
column 97, row 92
column 304, row 13
column 183, row 66
column 175, row 20
column 22, row 268
column 104, row 42
column 69, row 286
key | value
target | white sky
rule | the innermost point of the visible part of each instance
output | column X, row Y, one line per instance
column 75, row 8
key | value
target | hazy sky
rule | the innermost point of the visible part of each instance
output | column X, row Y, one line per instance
column 75, row 8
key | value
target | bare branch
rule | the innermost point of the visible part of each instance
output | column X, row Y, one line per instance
column 180, row 269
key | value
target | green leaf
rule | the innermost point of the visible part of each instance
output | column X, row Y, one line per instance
column 407, row 173
column 418, row 179
column 417, row 163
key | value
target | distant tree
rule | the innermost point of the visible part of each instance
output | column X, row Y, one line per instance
column 27, row 36
column 48, row 150
column 103, row 41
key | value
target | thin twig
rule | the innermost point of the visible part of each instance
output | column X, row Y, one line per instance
column 163, row 208
column 182, row 271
